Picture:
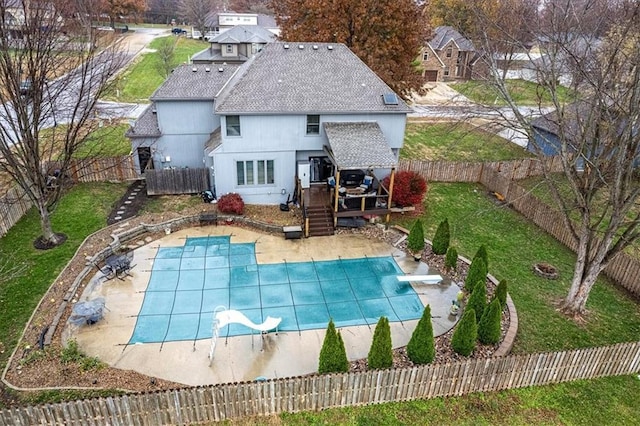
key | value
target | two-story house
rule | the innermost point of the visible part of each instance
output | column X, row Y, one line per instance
column 293, row 114
column 448, row 56
column 219, row 22
column 235, row 45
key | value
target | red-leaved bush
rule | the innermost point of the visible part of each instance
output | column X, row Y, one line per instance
column 408, row 188
column 231, row 203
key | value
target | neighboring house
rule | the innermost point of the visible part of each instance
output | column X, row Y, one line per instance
column 448, row 56
column 293, row 114
column 235, row 45
column 219, row 22
column 15, row 12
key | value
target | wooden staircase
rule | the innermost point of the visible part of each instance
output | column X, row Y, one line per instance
column 320, row 220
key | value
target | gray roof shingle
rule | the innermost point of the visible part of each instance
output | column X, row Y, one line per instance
column 359, row 145
column 186, row 84
column 146, row 125
column 444, row 34
column 305, row 78
column 244, row 34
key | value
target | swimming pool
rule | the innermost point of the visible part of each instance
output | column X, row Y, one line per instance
column 187, row 284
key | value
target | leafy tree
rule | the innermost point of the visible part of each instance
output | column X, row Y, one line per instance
column 408, row 188
column 46, row 80
column 421, row 348
column 595, row 136
column 464, row 337
column 333, row 356
column 489, row 331
column 458, row 14
column 477, row 273
column 501, row 293
column 451, row 259
column 386, row 34
column 415, row 240
column 381, row 351
column 478, row 299
column 442, row 237
column 482, row 253
column 116, row 8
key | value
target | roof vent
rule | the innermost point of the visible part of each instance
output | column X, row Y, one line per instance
column 220, row 69
column 301, row 46
column 329, row 47
column 194, row 69
column 286, row 46
column 315, row 47
column 207, row 69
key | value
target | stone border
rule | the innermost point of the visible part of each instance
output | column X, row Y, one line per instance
column 510, row 336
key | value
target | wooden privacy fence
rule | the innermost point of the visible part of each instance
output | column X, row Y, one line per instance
column 105, row 169
column 177, row 181
column 450, row 171
column 13, row 205
column 623, row 269
column 227, row 401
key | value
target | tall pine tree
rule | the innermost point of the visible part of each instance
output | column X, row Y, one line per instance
column 421, row 348
column 333, row 356
column 381, row 352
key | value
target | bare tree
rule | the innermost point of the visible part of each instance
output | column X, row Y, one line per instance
column 596, row 134
column 166, row 52
column 195, row 12
column 52, row 71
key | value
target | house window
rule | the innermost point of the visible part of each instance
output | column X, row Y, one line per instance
column 265, row 172
column 449, row 52
column 229, row 48
column 313, row 124
column 425, row 56
column 233, row 125
column 446, row 71
column 259, row 172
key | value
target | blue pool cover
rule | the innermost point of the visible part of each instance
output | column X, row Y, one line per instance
column 188, row 283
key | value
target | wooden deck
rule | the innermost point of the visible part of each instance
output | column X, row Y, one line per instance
column 317, row 195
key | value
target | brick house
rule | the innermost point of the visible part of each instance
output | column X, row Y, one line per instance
column 448, row 56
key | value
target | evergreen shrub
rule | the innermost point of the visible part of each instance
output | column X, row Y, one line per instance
column 421, row 348
column 333, row 356
column 489, row 331
column 381, row 351
column 464, row 337
column 441, row 238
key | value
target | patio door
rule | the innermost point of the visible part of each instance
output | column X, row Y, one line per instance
column 320, row 168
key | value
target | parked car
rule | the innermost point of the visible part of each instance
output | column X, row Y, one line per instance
column 178, row 31
column 25, row 88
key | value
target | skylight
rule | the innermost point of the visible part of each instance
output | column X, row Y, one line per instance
column 390, row 99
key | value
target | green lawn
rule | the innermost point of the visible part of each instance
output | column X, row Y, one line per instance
column 514, row 245
column 523, row 92
column 106, row 141
column 80, row 213
column 612, row 400
column 456, row 142
column 141, row 79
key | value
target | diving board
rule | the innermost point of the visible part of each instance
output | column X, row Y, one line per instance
column 427, row 279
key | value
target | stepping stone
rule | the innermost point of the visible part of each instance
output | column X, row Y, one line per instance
column 132, row 197
column 117, row 218
column 127, row 202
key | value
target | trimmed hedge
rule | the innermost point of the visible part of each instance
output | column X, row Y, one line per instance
column 478, row 299
column 501, row 293
column 477, row 272
column 451, row 259
column 415, row 240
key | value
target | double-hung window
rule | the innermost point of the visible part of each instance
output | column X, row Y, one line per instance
column 313, row 124
column 233, row 125
column 260, row 172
